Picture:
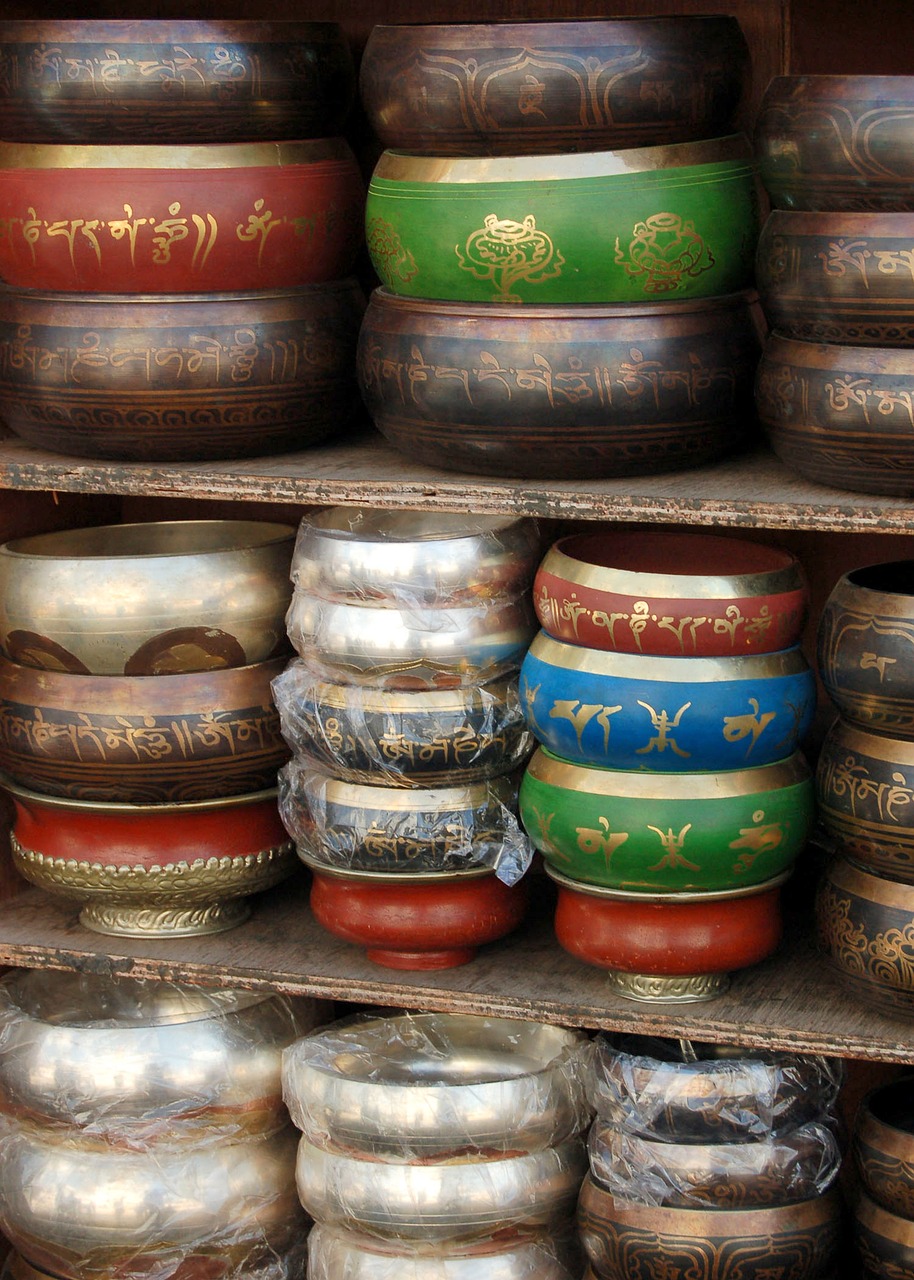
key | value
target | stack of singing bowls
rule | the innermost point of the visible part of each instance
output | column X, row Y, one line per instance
column 179, row 218
column 440, row 1147
column 144, row 1131
column 564, row 232
column 883, row 1149
column 836, row 274
column 404, row 719
column 721, row 1161
column 138, row 733
column 865, row 783
column 668, row 796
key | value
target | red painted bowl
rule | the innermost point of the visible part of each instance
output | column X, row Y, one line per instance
column 178, row 219
column 675, row 594
column 422, row 921
column 668, row 947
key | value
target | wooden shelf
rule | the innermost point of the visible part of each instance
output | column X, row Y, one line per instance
column 791, row 1002
column 753, row 490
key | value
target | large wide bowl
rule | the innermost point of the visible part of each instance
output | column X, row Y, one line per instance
column 141, row 739
column 671, row 594
column 194, row 376
column 438, row 1085
column 837, row 142
column 883, row 1146
column 176, row 81
column 558, row 391
column 175, row 870
column 652, row 832
column 607, row 226
column 146, row 599
column 666, row 715
column 178, row 219
column 333, row 1254
column 840, row 415
column 800, row 1241
column 675, row 948
column 884, row 1240
column 866, row 647
column 423, row 921
column 838, row 277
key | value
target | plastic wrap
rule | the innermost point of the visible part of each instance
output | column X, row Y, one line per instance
column 693, row 1092
column 403, row 738
column 796, row 1165
column 438, row 1086
column 291, row 1265
column 356, row 827
column 404, row 647
column 133, row 1063
column 415, row 559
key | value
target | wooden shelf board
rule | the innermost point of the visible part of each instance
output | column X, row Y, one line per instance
column 792, row 1001
column 754, row 489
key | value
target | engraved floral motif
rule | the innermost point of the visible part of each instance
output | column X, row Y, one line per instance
column 508, row 252
column 392, row 261
column 665, row 249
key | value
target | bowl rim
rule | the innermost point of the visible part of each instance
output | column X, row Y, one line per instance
column 160, row 30
column 669, row 897
column 260, row 535
column 417, row 878
column 608, row 664
column 39, row 800
column 586, row 24
column 124, row 157
column 568, row 312
column 103, row 302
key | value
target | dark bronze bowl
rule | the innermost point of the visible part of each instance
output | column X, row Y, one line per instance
column 883, row 1148
column 885, row 1242
column 178, row 81
column 511, row 88
column 840, row 143
column 560, row 392
column 179, row 377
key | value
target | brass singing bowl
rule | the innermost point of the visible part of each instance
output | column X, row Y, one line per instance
column 147, row 599
column 884, row 1240
column 883, row 1147
column 438, row 1083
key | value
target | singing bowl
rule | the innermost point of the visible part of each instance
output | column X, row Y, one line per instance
column 840, row 415
column 866, row 644
column 361, row 827
column 560, row 391
column 883, row 1147
column 517, row 87
column 333, row 1254
column 884, row 1240
column 408, row 648
column 647, row 831
column 724, row 1094
column 426, row 559
column 78, row 1211
column 277, row 1267
column 666, row 715
column 801, row 1241
column 425, row 738
column 865, row 924
column 653, row 223
column 838, row 277
column 141, row 739
column 141, row 870
column 722, row 1175
column 146, row 599
column 438, row 1085
column 670, row 594
column 423, row 921
column 462, row 1199
column 181, row 82
column 837, row 143
column 133, row 1063
column 178, row 219
column 179, row 377
column 674, row 948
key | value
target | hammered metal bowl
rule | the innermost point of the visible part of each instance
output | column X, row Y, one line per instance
column 883, row 1147
column 343, row 1255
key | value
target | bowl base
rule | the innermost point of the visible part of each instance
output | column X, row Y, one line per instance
column 675, row 989
column 163, row 921
column 446, row 958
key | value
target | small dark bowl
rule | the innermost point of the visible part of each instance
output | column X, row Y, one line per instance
column 883, row 1147
column 885, row 1242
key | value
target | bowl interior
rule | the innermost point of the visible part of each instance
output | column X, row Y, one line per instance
column 893, row 1105
column 675, row 553
column 896, row 577
column 157, row 538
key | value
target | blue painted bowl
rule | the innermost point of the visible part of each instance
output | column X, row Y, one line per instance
column 669, row 715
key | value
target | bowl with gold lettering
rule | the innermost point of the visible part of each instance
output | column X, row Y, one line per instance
column 161, row 218
column 656, row 384
column 651, row 224
column 677, row 594
column 666, row 715
column 179, row 376
column 141, row 739
column 651, row 831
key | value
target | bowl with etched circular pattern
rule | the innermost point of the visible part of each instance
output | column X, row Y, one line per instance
column 883, row 1146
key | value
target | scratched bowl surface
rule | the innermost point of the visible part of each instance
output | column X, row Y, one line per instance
column 630, row 830
column 561, row 391
column 666, row 715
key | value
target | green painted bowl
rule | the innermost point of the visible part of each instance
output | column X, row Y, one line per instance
column 657, row 223
column 667, row 833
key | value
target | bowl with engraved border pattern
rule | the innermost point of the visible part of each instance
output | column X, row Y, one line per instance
column 883, row 1147
column 160, row 218
column 561, row 391
column 884, row 1240
column 678, row 594
column 179, row 377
